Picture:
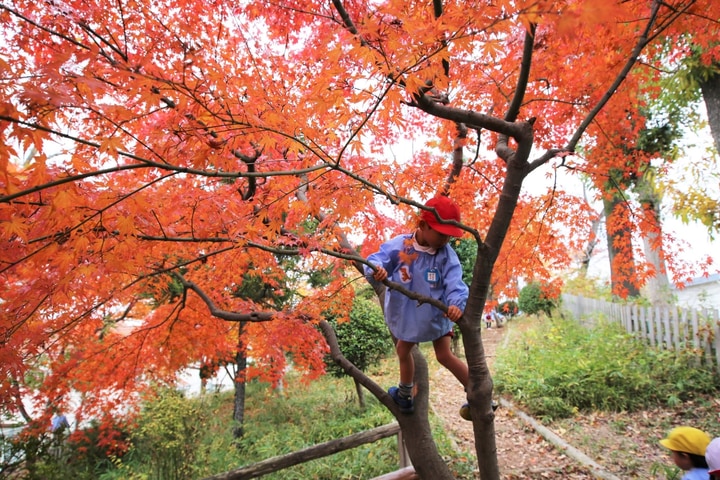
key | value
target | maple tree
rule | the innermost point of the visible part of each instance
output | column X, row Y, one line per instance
column 154, row 154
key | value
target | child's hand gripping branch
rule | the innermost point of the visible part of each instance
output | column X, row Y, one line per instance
column 423, row 263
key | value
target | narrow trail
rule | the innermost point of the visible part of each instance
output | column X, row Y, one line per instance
column 523, row 452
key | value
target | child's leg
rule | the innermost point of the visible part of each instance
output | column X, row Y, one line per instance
column 407, row 366
column 444, row 355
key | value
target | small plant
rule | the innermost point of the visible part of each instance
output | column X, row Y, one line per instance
column 168, row 428
column 560, row 367
column 665, row 471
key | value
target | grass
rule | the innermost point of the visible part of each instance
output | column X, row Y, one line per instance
column 301, row 416
column 539, row 367
column 622, row 435
column 280, row 421
column 557, row 368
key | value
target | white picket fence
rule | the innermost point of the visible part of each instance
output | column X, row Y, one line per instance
column 668, row 327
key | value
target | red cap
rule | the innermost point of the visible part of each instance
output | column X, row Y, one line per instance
column 447, row 210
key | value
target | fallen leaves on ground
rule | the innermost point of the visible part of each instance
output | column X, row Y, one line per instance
column 625, row 444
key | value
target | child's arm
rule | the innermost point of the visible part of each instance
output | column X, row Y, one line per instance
column 382, row 260
column 456, row 292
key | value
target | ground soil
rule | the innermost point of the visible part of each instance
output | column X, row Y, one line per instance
column 621, row 444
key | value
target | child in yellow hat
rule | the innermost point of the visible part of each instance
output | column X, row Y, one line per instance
column 688, row 446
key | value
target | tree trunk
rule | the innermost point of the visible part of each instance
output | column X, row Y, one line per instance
column 417, row 432
column 623, row 276
column 711, row 94
column 360, row 393
column 240, row 378
column 591, row 244
column 416, row 427
column 657, row 286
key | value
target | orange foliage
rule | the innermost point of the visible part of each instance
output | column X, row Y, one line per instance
column 148, row 144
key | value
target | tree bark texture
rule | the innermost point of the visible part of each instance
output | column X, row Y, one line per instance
column 240, row 377
column 619, row 242
column 711, row 94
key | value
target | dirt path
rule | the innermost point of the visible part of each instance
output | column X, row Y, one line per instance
column 522, row 452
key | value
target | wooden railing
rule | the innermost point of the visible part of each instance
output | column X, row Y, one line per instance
column 406, row 471
column 667, row 327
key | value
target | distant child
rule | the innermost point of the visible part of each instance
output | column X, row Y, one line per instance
column 424, row 263
column 688, row 446
column 489, row 318
column 712, row 456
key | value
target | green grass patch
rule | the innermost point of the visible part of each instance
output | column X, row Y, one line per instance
column 301, row 416
column 557, row 367
column 276, row 422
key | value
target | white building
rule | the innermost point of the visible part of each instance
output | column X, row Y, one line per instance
column 700, row 293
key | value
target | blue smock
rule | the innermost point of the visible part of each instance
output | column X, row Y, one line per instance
column 696, row 474
column 437, row 275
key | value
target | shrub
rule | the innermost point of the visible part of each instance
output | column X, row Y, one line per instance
column 365, row 339
column 508, row 308
column 532, row 299
column 168, row 430
column 558, row 368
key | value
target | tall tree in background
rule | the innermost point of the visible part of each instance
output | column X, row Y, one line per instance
column 195, row 141
column 694, row 82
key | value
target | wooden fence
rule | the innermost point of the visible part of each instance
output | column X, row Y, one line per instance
column 274, row 464
column 667, row 327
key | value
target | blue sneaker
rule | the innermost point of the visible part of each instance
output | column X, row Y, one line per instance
column 405, row 404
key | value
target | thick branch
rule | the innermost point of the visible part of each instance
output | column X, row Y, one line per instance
column 348, row 366
column 514, row 108
column 224, row 314
column 468, row 117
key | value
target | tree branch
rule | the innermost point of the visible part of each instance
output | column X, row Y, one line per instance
column 144, row 163
column 468, row 117
column 224, row 314
column 514, row 107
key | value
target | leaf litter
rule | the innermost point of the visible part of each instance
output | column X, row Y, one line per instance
column 624, row 444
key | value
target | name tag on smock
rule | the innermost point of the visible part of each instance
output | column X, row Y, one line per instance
column 432, row 276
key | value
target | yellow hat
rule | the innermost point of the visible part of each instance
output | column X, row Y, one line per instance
column 687, row 440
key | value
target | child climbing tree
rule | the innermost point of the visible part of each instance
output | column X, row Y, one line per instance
column 190, row 142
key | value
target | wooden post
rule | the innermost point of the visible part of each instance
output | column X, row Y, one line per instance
column 715, row 323
column 676, row 329
column 650, row 326
column 666, row 327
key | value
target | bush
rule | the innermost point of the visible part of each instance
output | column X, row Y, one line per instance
column 169, row 427
column 365, row 339
column 532, row 300
column 508, row 308
column 560, row 367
